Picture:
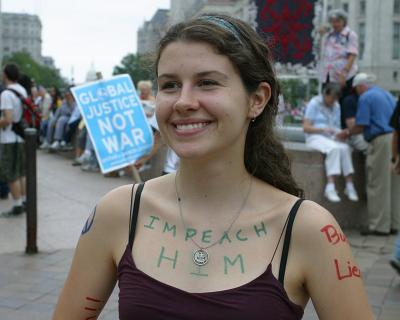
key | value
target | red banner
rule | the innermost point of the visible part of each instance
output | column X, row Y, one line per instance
column 287, row 26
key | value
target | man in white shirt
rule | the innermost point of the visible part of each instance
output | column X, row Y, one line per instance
column 12, row 153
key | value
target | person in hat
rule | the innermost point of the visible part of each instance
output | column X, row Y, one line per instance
column 375, row 108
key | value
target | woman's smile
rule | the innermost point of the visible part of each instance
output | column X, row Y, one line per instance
column 190, row 127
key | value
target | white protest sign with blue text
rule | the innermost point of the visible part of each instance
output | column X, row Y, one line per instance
column 115, row 121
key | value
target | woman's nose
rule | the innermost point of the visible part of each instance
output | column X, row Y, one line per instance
column 187, row 100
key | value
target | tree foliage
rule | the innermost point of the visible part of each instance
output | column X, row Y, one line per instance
column 295, row 91
column 42, row 74
column 137, row 66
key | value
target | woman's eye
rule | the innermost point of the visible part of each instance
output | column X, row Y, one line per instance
column 169, row 85
column 207, row 83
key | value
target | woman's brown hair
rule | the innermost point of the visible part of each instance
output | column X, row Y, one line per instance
column 264, row 155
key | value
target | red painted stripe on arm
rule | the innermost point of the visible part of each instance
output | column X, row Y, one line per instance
column 92, row 299
column 90, row 309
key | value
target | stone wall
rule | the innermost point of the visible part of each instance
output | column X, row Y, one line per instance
column 309, row 172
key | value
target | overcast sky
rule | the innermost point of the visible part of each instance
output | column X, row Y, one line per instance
column 77, row 33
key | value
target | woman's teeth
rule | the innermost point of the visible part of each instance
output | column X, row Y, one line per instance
column 191, row 126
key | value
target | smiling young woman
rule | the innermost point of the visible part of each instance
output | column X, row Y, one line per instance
column 226, row 236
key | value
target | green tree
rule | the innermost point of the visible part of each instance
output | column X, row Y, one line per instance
column 295, row 90
column 42, row 74
column 137, row 66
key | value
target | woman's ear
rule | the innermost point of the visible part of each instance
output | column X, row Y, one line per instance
column 259, row 100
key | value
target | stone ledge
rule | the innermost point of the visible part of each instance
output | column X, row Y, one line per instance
column 309, row 172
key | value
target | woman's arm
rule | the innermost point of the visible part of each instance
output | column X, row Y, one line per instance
column 93, row 272
column 331, row 274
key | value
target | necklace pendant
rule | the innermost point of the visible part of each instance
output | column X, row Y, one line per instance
column 200, row 257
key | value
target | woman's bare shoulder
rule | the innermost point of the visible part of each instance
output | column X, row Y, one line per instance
column 112, row 210
column 312, row 216
column 116, row 201
column 315, row 228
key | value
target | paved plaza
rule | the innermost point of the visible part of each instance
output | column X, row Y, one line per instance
column 30, row 284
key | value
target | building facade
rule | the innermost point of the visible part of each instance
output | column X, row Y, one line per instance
column 152, row 31
column 377, row 23
column 48, row 62
column 182, row 10
column 21, row 32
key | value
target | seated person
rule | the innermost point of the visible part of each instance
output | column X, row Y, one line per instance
column 71, row 129
column 58, row 123
column 90, row 163
column 80, row 145
column 44, row 101
column 322, row 128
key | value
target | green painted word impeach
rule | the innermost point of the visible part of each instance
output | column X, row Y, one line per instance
column 205, row 236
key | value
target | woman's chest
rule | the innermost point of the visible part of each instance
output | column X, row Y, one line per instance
column 336, row 46
column 199, row 260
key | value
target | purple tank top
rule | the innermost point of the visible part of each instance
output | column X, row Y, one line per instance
column 143, row 297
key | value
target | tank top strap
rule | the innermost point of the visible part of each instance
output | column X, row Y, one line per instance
column 286, row 242
column 134, row 211
column 285, row 251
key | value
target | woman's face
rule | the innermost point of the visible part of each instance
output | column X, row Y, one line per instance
column 337, row 24
column 202, row 106
column 330, row 100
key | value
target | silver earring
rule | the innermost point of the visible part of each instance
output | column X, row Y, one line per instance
column 254, row 119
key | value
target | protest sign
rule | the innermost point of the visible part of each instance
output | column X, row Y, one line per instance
column 115, row 121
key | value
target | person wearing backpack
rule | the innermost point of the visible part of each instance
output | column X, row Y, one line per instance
column 12, row 153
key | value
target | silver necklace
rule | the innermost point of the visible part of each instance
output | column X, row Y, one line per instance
column 201, row 256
